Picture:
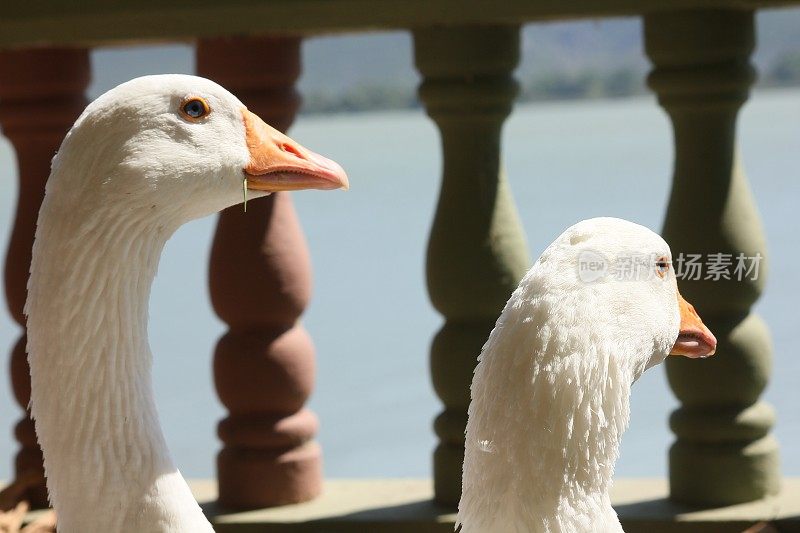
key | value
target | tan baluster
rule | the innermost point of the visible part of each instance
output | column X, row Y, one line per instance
column 41, row 95
column 260, row 280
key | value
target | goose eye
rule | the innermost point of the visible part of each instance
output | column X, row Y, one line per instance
column 194, row 108
column 662, row 266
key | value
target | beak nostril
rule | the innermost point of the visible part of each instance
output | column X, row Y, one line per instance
column 288, row 148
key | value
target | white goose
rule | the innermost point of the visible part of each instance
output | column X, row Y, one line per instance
column 141, row 160
column 550, row 395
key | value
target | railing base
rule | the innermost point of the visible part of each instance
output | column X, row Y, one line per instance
column 403, row 505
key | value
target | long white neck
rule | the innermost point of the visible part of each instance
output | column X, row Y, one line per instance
column 107, row 465
column 548, row 410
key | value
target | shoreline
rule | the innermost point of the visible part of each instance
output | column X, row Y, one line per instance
column 522, row 102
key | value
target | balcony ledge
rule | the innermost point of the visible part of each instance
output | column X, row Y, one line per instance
column 403, row 505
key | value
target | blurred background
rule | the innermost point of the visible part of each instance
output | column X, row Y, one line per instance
column 584, row 125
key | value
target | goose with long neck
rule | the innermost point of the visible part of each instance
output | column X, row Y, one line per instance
column 141, row 160
column 551, row 392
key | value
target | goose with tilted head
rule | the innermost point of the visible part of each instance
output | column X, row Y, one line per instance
column 551, row 391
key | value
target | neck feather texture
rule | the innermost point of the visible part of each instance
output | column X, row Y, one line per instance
column 107, row 464
column 550, row 402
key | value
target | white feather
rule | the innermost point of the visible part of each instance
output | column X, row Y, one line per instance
column 127, row 175
column 551, row 390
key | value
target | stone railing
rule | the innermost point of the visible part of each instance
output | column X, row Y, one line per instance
column 466, row 53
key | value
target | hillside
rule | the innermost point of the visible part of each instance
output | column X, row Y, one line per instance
column 590, row 58
column 580, row 59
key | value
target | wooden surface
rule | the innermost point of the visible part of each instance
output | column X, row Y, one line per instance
column 53, row 22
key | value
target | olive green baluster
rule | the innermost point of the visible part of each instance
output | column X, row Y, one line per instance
column 724, row 452
column 477, row 251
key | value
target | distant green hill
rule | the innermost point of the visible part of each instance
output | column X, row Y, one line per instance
column 579, row 59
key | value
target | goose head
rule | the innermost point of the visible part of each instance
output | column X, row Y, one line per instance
column 142, row 159
column 181, row 147
column 551, row 392
column 622, row 281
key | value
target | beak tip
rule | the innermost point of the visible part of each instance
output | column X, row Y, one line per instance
column 694, row 340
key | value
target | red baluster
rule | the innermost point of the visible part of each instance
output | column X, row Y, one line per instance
column 260, row 280
column 41, row 95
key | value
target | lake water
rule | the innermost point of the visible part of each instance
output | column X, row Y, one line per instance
column 370, row 317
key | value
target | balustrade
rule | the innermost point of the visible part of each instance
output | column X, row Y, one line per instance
column 260, row 273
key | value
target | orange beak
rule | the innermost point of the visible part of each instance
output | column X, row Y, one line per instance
column 277, row 163
column 694, row 340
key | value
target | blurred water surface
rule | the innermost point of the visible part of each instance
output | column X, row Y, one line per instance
column 370, row 317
